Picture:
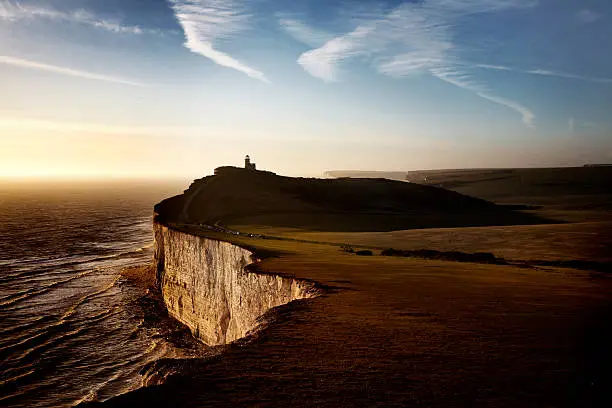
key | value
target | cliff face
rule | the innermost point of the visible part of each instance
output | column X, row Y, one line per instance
column 205, row 285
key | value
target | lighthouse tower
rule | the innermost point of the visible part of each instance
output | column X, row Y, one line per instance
column 248, row 165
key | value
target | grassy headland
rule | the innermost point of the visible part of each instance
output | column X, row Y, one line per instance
column 395, row 330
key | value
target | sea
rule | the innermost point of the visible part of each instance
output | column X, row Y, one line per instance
column 70, row 326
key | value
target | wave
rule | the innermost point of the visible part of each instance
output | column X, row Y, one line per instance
column 47, row 330
column 13, row 380
column 156, row 350
column 54, row 340
column 24, row 326
column 12, row 299
column 83, row 299
column 52, row 267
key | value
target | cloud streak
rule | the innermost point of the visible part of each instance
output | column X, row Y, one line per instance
column 206, row 22
column 17, row 12
column 23, row 63
column 412, row 39
column 461, row 80
column 545, row 72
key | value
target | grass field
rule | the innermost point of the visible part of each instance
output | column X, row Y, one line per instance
column 576, row 204
column 582, row 241
column 400, row 331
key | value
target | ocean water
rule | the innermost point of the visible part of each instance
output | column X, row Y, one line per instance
column 69, row 327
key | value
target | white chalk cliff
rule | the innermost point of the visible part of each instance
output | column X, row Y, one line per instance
column 205, row 285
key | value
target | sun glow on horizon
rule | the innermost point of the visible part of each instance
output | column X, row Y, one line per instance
column 37, row 149
column 176, row 88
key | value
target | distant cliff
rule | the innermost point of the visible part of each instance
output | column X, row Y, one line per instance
column 205, row 285
column 391, row 175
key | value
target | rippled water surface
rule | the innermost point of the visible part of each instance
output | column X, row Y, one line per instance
column 69, row 330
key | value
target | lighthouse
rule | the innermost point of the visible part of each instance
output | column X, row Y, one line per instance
column 247, row 163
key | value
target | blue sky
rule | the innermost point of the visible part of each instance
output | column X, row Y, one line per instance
column 109, row 87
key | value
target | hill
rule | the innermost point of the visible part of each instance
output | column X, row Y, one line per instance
column 238, row 196
column 535, row 186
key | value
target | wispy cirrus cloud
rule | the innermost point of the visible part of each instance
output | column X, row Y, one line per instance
column 545, row 72
column 24, row 63
column 464, row 81
column 587, row 16
column 13, row 11
column 206, row 22
column 323, row 62
column 304, row 33
column 412, row 39
column 411, row 36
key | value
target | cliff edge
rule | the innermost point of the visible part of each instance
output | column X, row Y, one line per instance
column 206, row 286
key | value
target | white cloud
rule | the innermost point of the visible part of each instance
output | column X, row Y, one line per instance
column 23, row 63
column 526, row 113
column 587, row 16
column 304, row 33
column 571, row 124
column 322, row 62
column 411, row 39
column 16, row 12
column 206, row 22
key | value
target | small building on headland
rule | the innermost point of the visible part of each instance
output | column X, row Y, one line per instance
column 248, row 165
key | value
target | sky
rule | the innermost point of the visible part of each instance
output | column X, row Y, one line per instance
column 175, row 88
